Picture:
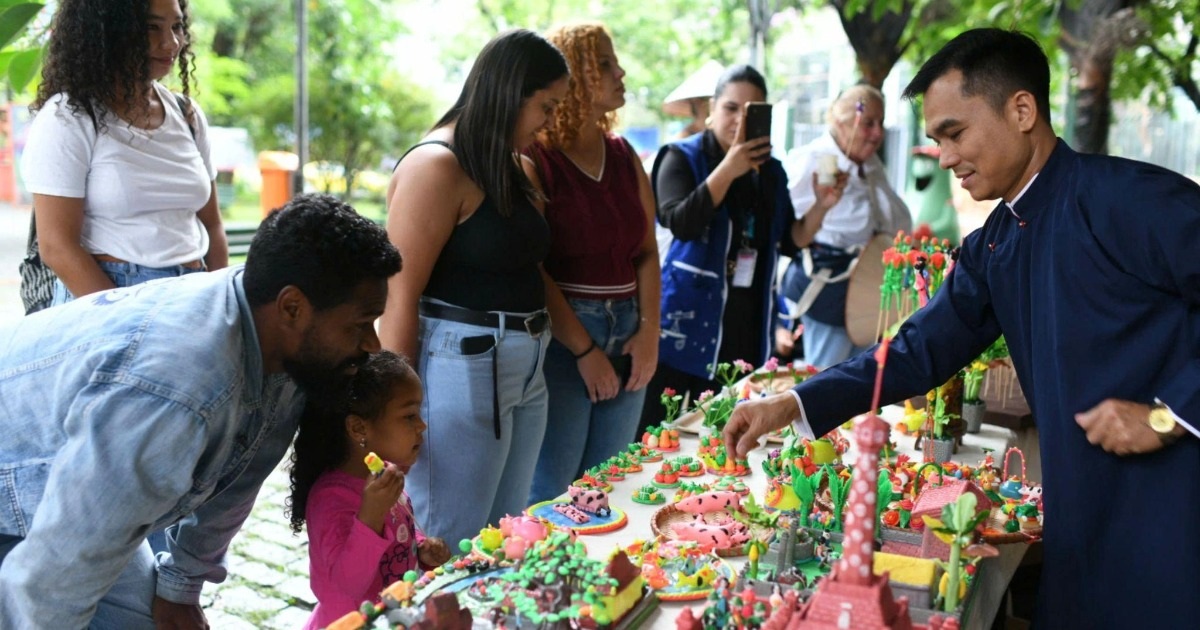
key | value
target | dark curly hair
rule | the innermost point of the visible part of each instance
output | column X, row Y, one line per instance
column 322, row 247
column 99, row 56
column 322, row 443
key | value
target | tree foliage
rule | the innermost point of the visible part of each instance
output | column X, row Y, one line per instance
column 360, row 107
column 21, row 49
column 659, row 43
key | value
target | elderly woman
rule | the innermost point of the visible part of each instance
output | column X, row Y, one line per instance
column 839, row 217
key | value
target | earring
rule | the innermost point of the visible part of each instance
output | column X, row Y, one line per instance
column 362, row 443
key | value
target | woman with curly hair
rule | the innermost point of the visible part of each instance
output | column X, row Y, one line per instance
column 118, row 165
column 602, row 274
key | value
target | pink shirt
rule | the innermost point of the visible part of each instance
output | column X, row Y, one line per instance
column 348, row 562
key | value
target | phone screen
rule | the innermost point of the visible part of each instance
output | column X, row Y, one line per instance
column 758, row 120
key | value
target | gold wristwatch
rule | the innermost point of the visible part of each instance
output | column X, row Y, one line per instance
column 1163, row 422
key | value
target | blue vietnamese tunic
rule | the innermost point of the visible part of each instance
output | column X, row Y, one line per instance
column 1094, row 279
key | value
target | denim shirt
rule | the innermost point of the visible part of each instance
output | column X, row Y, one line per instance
column 125, row 412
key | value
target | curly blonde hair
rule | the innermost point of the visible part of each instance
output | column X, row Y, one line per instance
column 578, row 43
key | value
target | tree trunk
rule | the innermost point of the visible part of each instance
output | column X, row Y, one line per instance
column 1092, row 34
column 876, row 42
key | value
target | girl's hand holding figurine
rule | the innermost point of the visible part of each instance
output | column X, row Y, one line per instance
column 382, row 492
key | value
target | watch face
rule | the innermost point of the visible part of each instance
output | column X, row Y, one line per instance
column 1161, row 420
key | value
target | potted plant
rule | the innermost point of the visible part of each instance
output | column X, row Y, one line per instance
column 941, row 442
column 973, row 406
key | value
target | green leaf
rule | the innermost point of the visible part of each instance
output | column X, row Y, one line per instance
column 23, row 67
column 5, row 59
column 15, row 18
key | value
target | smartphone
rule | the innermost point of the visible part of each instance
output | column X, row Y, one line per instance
column 476, row 345
column 758, row 120
column 623, row 366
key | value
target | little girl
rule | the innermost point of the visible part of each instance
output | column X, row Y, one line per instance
column 361, row 532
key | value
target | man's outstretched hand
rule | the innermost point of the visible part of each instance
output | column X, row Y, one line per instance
column 756, row 418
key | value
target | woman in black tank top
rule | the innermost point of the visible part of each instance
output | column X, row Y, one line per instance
column 468, row 307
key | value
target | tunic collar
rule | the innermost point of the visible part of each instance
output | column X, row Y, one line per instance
column 1031, row 198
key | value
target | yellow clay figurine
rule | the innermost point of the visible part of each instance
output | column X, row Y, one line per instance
column 374, row 463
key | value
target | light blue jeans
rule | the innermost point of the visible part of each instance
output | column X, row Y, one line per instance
column 826, row 345
column 579, row 434
column 128, row 604
column 124, row 274
column 466, row 478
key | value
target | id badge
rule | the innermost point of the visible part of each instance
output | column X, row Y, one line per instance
column 743, row 272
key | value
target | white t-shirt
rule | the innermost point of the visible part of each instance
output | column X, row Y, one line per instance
column 868, row 205
column 142, row 188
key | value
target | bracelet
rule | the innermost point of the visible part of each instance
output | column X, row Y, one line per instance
column 591, row 347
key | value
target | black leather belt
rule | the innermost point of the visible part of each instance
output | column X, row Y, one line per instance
column 534, row 324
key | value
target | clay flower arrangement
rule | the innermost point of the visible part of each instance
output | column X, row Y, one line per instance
column 912, row 272
column 671, row 402
column 730, row 373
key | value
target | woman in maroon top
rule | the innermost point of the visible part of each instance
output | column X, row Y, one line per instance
column 602, row 273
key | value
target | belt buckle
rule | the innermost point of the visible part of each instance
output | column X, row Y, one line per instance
column 533, row 320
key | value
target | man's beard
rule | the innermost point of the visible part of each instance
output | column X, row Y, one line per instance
column 320, row 379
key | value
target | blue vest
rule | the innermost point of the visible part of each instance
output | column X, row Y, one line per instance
column 694, row 281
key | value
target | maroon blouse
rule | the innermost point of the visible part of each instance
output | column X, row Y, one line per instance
column 596, row 227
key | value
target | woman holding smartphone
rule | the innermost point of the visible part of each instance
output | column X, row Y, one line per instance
column 725, row 200
column 602, row 282
column 469, row 306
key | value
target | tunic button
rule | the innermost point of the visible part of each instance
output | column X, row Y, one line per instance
column 1021, row 224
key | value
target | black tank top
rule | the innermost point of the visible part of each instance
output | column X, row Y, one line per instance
column 490, row 262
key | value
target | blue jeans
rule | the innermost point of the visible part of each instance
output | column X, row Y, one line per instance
column 826, row 345
column 579, row 434
column 124, row 274
column 465, row 477
column 128, row 603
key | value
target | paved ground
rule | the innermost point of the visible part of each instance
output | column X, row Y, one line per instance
column 268, row 565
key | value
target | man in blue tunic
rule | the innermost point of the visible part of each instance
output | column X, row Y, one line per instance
column 1088, row 267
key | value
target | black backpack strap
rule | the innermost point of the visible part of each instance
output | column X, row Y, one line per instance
column 421, row 144
column 185, row 108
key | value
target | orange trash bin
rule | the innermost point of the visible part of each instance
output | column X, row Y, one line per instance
column 277, row 168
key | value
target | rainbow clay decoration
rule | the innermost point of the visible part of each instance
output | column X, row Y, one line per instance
column 374, row 463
